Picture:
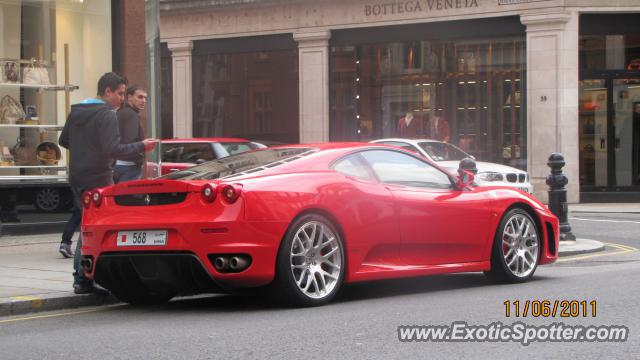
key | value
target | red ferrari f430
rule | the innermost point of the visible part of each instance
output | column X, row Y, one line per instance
column 302, row 221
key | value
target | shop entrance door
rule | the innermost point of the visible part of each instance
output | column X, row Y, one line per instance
column 626, row 124
column 609, row 133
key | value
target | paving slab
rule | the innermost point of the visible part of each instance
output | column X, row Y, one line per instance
column 629, row 208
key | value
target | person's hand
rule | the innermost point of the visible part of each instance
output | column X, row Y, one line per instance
column 149, row 144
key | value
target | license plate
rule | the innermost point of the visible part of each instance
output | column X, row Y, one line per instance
column 142, row 238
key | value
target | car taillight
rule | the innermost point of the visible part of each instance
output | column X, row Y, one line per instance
column 208, row 193
column 86, row 199
column 96, row 197
column 231, row 193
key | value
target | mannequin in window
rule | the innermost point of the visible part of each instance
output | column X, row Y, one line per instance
column 408, row 126
column 438, row 127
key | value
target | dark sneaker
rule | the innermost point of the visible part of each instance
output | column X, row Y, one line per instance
column 89, row 289
column 65, row 250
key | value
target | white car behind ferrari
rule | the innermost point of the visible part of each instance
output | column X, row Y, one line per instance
column 448, row 156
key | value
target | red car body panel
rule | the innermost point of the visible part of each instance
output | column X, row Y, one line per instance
column 388, row 231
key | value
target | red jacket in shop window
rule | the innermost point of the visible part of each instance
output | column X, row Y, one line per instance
column 439, row 128
column 409, row 127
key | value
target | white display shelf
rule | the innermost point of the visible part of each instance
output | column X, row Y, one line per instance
column 59, row 167
column 34, row 126
column 41, row 87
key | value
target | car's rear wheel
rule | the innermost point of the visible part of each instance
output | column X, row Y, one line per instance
column 516, row 248
column 310, row 266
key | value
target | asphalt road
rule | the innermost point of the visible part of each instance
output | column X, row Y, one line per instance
column 363, row 322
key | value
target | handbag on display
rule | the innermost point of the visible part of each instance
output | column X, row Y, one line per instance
column 23, row 154
column 11, row 71
column 35, row 74
column 10, row 110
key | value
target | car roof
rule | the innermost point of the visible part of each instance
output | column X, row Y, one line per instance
column 204, row 140
column 327, row 153
column 410, row 141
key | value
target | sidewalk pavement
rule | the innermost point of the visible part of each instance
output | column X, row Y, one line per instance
column 35, row 277
column 629, row 208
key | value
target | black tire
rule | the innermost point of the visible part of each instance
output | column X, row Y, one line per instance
column 285, row 289
column 501, row 269
column 50, row 199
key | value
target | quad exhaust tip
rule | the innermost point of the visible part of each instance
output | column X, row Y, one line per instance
column 231, row 263
column 221, row 263
column 238, row 263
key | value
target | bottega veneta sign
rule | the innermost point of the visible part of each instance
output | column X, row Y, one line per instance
column 416, row 6
column 513, row 2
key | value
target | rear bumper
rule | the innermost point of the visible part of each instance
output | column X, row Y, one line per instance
column 191, row 241
column 165, row 272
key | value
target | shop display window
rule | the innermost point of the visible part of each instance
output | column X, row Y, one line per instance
column 51, row 55
column 246, row 93
column 469, row 92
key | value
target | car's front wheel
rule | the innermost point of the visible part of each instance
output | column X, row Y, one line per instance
column 310, row 266
column 516, row 248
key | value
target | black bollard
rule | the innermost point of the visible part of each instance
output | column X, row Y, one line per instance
column 558, row 195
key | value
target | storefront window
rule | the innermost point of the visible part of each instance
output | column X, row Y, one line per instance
column 609, row 102
column 52, row 54
column 246, row 94
column 610, row 52
column 609, row 42
column 467, row 92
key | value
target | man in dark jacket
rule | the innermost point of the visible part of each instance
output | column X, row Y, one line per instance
column 91, row 134
column 129, row 167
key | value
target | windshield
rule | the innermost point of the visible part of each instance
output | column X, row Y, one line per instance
column 243, row 163
column 439, row 151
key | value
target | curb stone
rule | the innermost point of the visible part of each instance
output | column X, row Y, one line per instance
column 579, row 246
column 20, row 305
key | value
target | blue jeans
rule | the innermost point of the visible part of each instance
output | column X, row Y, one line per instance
column 78, row 274
column 72, row 224
column 122, row 173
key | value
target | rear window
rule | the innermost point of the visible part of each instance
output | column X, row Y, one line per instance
column 187, row 152
column 239, row 164
column 238, row 147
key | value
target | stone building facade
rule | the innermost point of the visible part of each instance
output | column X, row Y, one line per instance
column 514, row 79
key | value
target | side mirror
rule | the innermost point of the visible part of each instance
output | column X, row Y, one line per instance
column 468, row 164
column 465, row 179
column 466, row 172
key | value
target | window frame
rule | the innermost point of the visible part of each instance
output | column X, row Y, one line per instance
column 360, row 159
column 359, row 152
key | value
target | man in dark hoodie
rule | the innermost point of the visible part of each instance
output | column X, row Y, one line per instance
column 91, row 134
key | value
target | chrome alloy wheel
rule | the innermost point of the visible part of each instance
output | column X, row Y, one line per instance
column 315, row 258
column 520, row 245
